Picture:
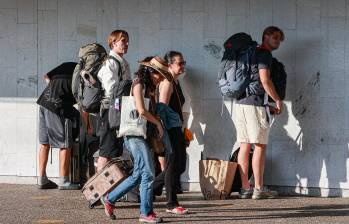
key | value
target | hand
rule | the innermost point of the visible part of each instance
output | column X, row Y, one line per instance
column 279, row 106
column 272, row 110
column 187, row 143
column 160, row 130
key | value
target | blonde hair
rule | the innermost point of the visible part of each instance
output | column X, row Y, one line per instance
column 115, row 36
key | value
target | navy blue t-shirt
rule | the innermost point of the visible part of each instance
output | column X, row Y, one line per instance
column 263, row 61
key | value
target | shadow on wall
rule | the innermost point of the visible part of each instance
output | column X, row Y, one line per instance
column 319, row 148
column 316, row 158
column 211, row 123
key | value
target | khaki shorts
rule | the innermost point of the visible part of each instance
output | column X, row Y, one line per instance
column 251, row 123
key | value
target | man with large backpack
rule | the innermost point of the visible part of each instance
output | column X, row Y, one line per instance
column 245, row 79
column 114, row 69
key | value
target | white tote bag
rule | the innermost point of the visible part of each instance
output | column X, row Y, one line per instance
column 131, row 123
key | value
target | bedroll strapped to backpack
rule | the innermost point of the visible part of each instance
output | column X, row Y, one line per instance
column 236, row 65
column 86, row 87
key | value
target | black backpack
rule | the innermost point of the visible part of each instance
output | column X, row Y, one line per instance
column 238, row 59
column 278, row 76
column 123, row 88
column 237, row 184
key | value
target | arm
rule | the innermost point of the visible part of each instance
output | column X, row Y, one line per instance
column 138, row 95
column 270, row 89
column 108, row 76
column 165, row 92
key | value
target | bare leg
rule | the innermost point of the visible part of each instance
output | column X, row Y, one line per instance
column 258, row 164
column 243, row 161
column 162, row 162
column 64, row 160
column 43, row 158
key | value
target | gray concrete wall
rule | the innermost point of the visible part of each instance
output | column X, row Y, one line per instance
column 309, row 142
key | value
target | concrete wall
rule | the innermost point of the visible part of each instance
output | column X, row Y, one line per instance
column 308, row 152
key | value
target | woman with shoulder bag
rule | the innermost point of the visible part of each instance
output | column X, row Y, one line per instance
column 171, row 95
column 148, row 76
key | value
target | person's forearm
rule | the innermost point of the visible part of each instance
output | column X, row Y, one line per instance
column 149, row 117
column 270, row 90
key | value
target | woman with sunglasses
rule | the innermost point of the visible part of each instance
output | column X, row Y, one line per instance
column 170, row 93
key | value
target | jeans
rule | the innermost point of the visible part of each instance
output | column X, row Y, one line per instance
column 143, row 173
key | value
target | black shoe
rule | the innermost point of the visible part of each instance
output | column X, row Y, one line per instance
column 49, row 185
column 179, row 190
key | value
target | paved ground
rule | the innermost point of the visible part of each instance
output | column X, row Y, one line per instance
column 26, row 204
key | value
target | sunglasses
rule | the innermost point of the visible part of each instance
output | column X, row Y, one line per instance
column 180, row 63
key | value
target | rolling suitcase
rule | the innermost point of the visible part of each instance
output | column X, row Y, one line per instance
column 106, row 180
column 75, row 164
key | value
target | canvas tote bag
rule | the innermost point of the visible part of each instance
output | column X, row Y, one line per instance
column 216, row 178
column 131, row 123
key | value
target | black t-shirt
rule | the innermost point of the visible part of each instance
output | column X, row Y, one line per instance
column 177, row 100
column 263, row 61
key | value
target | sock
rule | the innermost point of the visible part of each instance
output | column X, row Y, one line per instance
column 42, row 180
column 64, row 180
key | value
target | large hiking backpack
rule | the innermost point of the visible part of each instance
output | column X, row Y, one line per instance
column 234, row 76
column 86, row 87
column 279, row 78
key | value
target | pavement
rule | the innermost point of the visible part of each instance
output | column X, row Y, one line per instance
column 27, row 204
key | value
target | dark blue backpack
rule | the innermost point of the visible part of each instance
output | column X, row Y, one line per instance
column 235, row 70
column 278, row 76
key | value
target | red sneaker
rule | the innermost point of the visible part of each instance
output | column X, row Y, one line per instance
column 177, row 210
column 108, row 207
column 151, row 218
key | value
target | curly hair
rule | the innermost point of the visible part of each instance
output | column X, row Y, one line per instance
column 143, row 74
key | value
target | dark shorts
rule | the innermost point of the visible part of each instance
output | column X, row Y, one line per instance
column 54, row 129
column 109, row 145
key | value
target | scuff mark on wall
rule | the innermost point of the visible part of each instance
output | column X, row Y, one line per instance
column 31, row 81
column 305, row 109
column 304, row 102
column 87, row 30
column 214, row 49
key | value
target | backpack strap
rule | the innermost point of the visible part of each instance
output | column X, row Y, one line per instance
column 179, row 99
column 119, row 63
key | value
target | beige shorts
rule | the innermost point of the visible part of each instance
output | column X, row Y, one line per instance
column 251, row 124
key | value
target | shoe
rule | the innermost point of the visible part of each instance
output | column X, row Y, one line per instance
column 49, row 185
column 151, row 218
column 69, row 186
column 177, row 210
column 246, row 193
column 108, row 207
column 179, row 190
column 263, row 193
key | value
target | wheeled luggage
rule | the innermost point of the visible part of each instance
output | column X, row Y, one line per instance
column 106, row 180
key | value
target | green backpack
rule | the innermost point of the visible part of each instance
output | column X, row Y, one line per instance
column 86, row 87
